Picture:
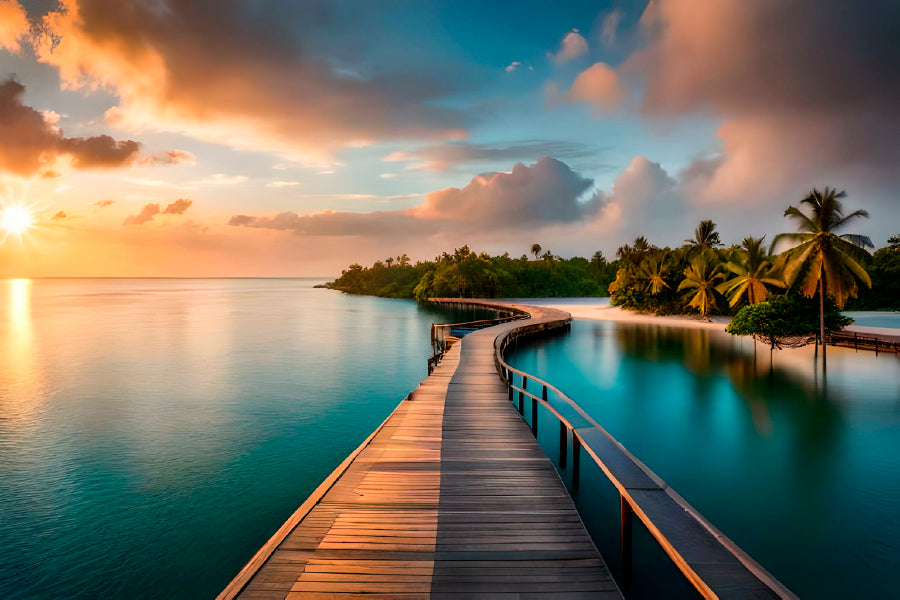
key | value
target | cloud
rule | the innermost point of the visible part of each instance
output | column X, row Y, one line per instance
column 441, row 157
column 147, row 213
column 387, row 175
column 282, row 184
column 610, row 27
column 151, row 210
column 151, row 182
column 572, row 46
column 33, row 141
column 178, row 207
column 547, row 192
column 340, row 223
column 14, row 25
column 796, row 110
column 222, row 179
column 61, row 215
column 597, row 85
column 234, row 73
column 513, row 66
column 172, row 157
column 103, row 203
column 100, row 151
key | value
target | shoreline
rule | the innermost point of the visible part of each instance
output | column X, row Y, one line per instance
column 605, row 312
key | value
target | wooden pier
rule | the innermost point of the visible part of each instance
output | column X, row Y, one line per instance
column 865, row 338
column 451, row 497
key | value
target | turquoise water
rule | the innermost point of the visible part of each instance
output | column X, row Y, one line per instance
column 875, row 318
column 801, row 470
column 155, row 433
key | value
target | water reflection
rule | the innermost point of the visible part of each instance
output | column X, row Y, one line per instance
column 20, row 376
column 788, row 463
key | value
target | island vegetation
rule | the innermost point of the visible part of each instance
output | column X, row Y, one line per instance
column 780, row 297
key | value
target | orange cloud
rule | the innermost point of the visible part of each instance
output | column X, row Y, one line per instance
column 178, row 207
column 209, row 72
column 796, row 110
column 13, row 25
column 33, row 141
column 598, row 85
column 147, row 213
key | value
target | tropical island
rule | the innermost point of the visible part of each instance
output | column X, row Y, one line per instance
column 776, row 296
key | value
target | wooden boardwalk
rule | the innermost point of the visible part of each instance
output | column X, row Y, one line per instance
column 450, row 498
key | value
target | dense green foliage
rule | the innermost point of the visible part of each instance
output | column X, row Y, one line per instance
column 466, row 274
column 788, row 319
column 700, row 276
column 884, row 269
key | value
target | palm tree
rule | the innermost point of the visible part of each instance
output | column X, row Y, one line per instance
column 634, row 254
column 753, row 270
column 705, row 236
column 825, row 262
column 536, row 250
column 654, row 270
column 701, row 275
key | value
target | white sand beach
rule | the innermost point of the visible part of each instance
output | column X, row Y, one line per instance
column 605, row 312
column 602, row 311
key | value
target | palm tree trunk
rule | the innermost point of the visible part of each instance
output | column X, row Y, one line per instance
column 822, row 316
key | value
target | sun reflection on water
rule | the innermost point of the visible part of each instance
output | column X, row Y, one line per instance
column 20, row 376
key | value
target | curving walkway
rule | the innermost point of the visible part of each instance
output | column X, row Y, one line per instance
column 450, row 498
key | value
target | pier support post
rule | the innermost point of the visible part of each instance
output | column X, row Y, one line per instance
column 576, row 462
column 627, row 513
column 563, row 444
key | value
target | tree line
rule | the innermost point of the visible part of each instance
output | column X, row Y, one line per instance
column 467, row 274
column 821, row 272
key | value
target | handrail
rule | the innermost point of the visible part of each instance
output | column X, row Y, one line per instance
column 441, row 337
column 639, row 489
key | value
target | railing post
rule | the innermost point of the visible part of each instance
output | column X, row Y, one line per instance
column 544, row 393
column 563, row 444
column 627, row 513
column 576, row 461
column 524, row 382
column 534, row 423
column 510, row 384
column 521, row 404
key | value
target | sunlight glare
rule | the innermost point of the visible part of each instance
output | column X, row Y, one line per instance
column 16, row 220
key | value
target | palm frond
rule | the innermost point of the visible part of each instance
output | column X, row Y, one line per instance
column 863, row 241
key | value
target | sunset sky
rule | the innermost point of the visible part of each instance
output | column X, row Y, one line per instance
column 247, row 138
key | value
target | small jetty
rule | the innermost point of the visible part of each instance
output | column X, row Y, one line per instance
column 452, row 497
column 878, row 339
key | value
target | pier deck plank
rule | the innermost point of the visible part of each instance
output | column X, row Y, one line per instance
column 451, row 498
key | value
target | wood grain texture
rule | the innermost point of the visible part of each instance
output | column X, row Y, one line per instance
column 450, row 498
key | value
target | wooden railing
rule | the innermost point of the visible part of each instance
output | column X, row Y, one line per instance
column 443, row 334
column 864, row 341
column 710, row 561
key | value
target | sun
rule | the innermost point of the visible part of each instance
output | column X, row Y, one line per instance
column 16, row 220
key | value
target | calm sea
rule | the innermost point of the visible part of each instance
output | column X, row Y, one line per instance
column 801, row 470
column 154, row 433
